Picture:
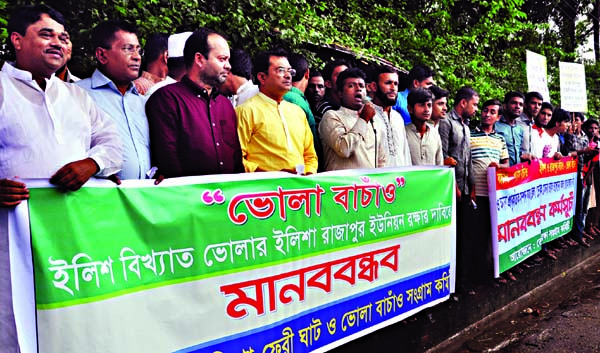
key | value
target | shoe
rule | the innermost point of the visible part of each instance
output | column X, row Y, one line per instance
column 583, row 243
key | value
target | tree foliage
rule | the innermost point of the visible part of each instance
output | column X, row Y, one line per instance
column 480, row 43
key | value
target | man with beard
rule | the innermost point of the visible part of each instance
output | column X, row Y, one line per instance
column 439, row 106
column 508, row 128
column 274, row 133
column 315, row 91
column 389, row 121
column 533, row 104
column 119, row 55
column 348, row 140
column 455, row 135
column 424, row 142
column 192, row 126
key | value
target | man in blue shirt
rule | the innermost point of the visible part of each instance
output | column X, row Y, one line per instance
column 118, row 52
column 419, row 76
column 509, row 129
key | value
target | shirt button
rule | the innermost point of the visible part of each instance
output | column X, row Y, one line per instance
column 199, row 96
column 218, row 144
column 214, row 124
column 221, row 163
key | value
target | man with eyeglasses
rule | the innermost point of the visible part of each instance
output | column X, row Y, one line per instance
column 192, row 125
column 119, row 55
column 274, row 134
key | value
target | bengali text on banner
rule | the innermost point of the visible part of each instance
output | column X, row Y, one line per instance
column 531, row 204
column 263, row 263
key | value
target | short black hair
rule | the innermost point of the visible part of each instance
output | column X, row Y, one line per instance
column 176, row 65
column 512, row 94
column 438, row 92
column 580, row 115
column 241, row 65
column 262, row 61
column 380, row 70
column 558, row 116
column 466, row 93
column 298, row 62
column 533, row 94
column 586, row 124
column 492, row 102
column 23, row 17
column 350, row 73
column 103, row 35
column 156, row 44
column 547, row 105
column 314, row 73
column 328, row 69
column 197, row 43
column 419, row 95
column 420, row 73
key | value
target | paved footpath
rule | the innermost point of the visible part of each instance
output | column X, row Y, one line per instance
column 563, row 318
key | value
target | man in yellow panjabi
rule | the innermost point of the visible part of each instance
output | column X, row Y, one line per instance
column 274, row 134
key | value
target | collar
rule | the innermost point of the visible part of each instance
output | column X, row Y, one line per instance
column 540, row 130
column 199, row 90
column 478, row 129
column 100, row 80
column 21, row 75
column 348, row 111
column 246, row 86
column 150, row 76
column 297, row 91
column 502, row 119
column 525, row 119
column 413, row 127
column 454, row 115
column 269, row 100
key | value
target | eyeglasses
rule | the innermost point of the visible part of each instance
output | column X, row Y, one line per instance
column 130, row 49
column 281, row 71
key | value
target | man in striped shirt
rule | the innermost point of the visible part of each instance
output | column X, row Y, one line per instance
column 488, row 149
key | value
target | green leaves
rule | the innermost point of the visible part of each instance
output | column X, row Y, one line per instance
column 476, row 42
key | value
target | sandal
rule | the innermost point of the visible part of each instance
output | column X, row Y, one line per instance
column 509, row 276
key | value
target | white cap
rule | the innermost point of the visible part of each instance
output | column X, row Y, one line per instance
column 177, row 43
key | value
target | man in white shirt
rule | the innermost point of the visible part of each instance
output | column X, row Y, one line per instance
column 348, row 140
column 49, row 129
column 385, row 93
column 543, row 143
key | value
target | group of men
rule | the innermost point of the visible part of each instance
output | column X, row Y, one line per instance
column 201, row 108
